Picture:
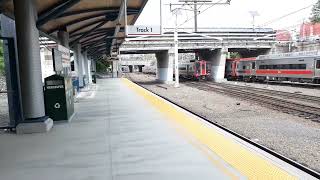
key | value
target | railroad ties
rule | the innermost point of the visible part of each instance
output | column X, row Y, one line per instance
column 290, row 103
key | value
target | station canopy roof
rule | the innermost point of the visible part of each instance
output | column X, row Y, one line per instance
column 98, row 25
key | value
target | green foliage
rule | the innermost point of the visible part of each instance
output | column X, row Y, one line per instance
column 2, row 71
column 101, row 67
column 234, row 55
column 315, row 13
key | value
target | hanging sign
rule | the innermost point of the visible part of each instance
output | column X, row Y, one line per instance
column 143, row 30
column 65, row 56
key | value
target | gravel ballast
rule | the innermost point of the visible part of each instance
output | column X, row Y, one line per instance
column 294, row 137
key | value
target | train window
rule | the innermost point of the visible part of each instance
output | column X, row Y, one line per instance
column 197, row 67
column 318, row 64
column 292, row 66
column 244, row 67
column 302, row 66
column 253, row 65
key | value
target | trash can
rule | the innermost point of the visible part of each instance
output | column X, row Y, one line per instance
column 58, row 95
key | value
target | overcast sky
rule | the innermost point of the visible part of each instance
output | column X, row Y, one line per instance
column 234, row 15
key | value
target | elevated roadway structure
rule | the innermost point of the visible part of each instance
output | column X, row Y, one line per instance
column 210, row 44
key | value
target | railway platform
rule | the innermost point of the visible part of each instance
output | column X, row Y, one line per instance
column 122, row 131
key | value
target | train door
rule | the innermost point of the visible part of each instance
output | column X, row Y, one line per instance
column 235, row 66
column 317, row 69
column 203, row 68
column 253, row 68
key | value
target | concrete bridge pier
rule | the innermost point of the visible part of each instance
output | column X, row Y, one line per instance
column 165, row 66
column 217, row 59
column 140, row 67
column 130, row 68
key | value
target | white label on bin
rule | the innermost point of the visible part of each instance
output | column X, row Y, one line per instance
column 57, row 106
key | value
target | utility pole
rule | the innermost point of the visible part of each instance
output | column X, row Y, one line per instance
column 176, row 51
column 195, row 11
column 176, row 42
column 195, row 8
column 254, row 14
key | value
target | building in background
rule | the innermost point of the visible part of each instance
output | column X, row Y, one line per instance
column 283, row 35
column 309, row 32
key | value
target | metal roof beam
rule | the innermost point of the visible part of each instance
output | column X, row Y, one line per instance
column 88, row 32
column 55, row 11
column 106, row 38
column 108, row 9
column 98, row 31
column 86, row 25
column 120, row 15
column 98, row 51
column 93, row 43
column 93, row 48
column 92, row 38
column 110, row 18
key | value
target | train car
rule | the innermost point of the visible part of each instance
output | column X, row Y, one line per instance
column 195, row 71
column 229, row 75
column 294, row 67
column 241, row 69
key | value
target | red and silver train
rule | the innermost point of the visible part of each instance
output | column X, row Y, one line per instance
column 195, row 70
column 294, row 67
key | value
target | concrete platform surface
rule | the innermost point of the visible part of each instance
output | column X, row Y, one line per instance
column 121, row 131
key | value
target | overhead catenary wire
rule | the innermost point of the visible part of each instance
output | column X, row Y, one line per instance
column 284, row 16
column 200, row 13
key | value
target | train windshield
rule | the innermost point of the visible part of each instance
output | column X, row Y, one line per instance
column 318, row 64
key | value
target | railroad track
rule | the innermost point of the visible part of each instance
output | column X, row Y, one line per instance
column 284, row 83
column 293, row 96
column 279, row 104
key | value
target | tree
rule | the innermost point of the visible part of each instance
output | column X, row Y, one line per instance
column 234, row 55
column 2, row 71
column 315, row 13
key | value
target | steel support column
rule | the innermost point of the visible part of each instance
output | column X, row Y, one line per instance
column 79, row 64
column 30, row 68
column 86, row 67
column 63, row 37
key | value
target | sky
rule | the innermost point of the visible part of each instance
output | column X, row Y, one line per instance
column 234, row 15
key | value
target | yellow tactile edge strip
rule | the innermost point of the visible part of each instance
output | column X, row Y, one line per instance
column 247, row 163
